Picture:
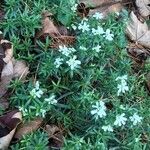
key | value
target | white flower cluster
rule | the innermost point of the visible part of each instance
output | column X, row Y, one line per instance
column 36, row 92
column 100, row 31
column 84, row 26
column 97, row 48
column 66, row 50
column 98, row 16
column 73, row 63
column 51, row 100
column 108, row 128
column 122, row 86
column 121, row 119
column 58, row 62
column 135, row 119
column 74, row 7
column 99, row 111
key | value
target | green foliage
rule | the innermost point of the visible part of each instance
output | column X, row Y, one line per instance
column 37, row 140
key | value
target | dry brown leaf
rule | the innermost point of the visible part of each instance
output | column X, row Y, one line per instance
column 6, row 77
column 27, row 128
column 138, row 31
column 97, row 3
column 63, row 30
column 8, row 125
column 107, row 9
column 82, row 10
column 8, row 47
column 4, row 101
column 20, row 69
column 143, row 7
column 55, row 136
column 62, row 40
column 2, row 55
column 48, row 27
column 59, row 35
column 137, row 54
column 8, row 69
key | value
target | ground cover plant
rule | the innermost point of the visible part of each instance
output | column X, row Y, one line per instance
column 83, row 90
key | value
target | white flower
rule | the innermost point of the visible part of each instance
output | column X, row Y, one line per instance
column 71, row 49
column 74, row 27
column 98, row 31
column 120, row 120
column 122, row 107
column 74, row 8
column 125, row 77
column 84, row 19
column 37, row 85
column 65, row 50
column 33, row 93
column 109, row 36
column 39, row 93
column 98, row 15
column 117, row 13
column 107, row 128
column 122, row 88
column 82, row 48
column 51, row 100
column 137, row 140
column 97, row 48
column 43, row 112
column 99, row 110
column 58, row 62
column 135, row 119
column 73, row 63
column 23, row 110
column 36, row 93
column 83, row 26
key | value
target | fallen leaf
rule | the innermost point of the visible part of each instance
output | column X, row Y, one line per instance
column 8, row 48
column 6, row 77
column 117, row 7
column 2, row 55
column 48, row 26
column 138, row 53
column 27, row 128
column 8, row 125
column 4, row 101
column 62, row 40
column 55, row 136
column 143, row 7
column 8, row 69
column 20, row 69
column 97, row 3
column 138, row 31
column 58, row 35
column 62, row 30
column 82, row 10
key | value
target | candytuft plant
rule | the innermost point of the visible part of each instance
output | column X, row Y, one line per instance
column 88, row 87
